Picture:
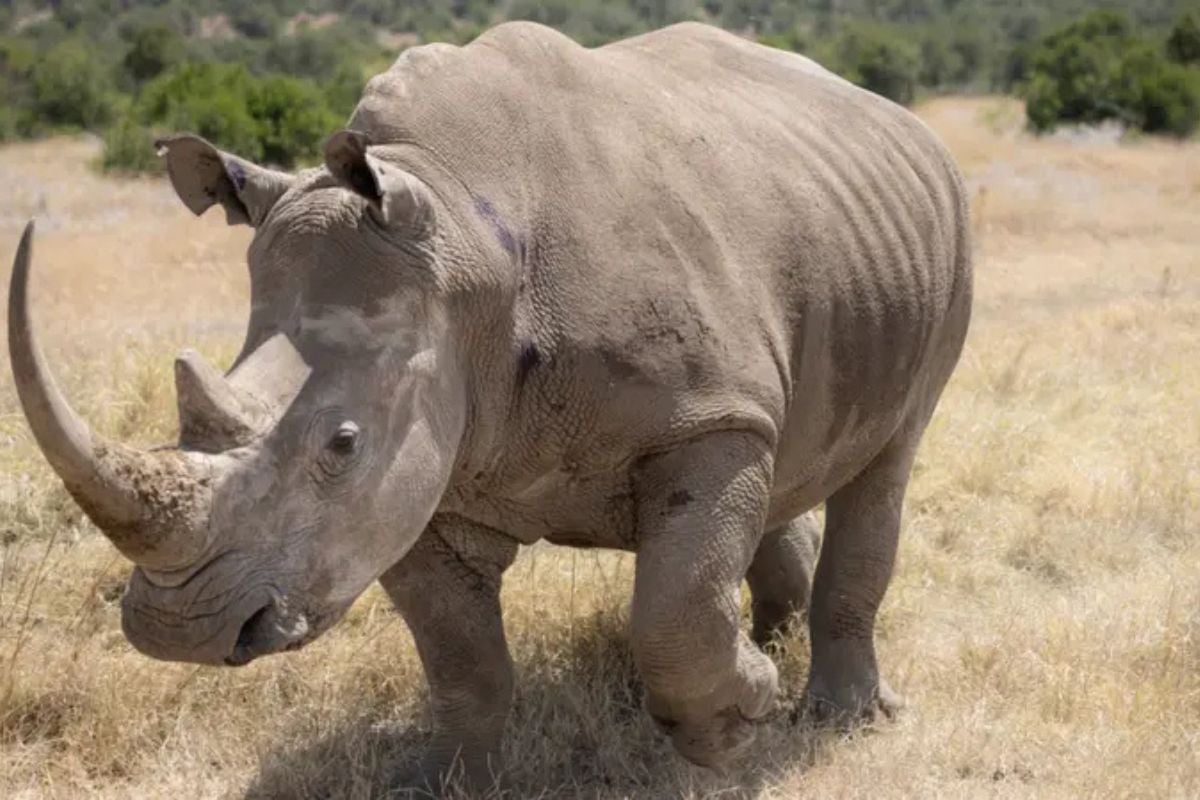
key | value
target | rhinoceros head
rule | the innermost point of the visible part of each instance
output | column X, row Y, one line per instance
column 313, row 465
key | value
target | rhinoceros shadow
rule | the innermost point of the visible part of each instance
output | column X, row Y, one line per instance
column 577, row 730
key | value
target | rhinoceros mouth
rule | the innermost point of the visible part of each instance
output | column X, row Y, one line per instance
column 256, row 637
column 276, row 628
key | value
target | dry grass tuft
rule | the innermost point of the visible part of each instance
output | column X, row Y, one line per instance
column 1044, row 621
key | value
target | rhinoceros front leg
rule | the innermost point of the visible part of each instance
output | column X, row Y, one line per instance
column 862, row 529
column 781, row 575
column 448, row 590
column 700, row 516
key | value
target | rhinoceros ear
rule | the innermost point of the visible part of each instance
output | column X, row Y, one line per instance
column 398, row 197
column 203, row 175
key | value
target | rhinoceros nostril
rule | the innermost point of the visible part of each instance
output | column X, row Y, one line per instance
column 251, row 633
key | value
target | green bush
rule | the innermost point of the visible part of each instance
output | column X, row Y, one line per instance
column 1074, row 76
column 1096, row 69
column 129, row 147
column 791, row 39
column 275, row 119
column 952, row 58
column 1043, row 102
column 128, row 67
column 1163, row 97
column 1183, row 45
column 152, row 49
column 72, row 87
column 591, row 23
column 17, row 58
column 938, row 61
column 256, row 20
column 876, row 58
column 293, row 118
column 210, row 100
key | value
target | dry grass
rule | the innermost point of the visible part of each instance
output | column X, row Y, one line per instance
column 1044, row 622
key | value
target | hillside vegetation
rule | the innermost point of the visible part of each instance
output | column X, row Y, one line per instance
column 270, row 79
column 1043, row 623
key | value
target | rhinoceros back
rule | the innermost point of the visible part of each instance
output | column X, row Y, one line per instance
column 729, row 235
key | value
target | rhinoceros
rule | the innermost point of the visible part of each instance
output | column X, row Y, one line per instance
column 666, row 296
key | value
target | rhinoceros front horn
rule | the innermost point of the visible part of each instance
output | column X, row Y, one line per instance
column 153, row 506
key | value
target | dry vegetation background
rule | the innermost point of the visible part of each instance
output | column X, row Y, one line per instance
column 1044, row 622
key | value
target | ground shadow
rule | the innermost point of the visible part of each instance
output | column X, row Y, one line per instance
column 360, row 759
column 578, row 730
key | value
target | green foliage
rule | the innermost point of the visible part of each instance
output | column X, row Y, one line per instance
column 129, row 147
column 792, row 40
column 1076, row 72
column 1183, row 45
column 876, row 58
column 954, row 57
column 72, row 87
column 274, row 119
column 16, row 104
column 293, row 117
column 1164, row 97
column 210, row 100
column 152, row 49
column 1097, row 69
column 256, row 20
column 591, row 23
column 126, row 68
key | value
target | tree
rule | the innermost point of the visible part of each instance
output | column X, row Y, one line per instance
column 875, row 58
column 152, row 49
column 1183, row 45
column 276, row 119
column 1075, row 72
column 129, row 147
column 293, row 117
column 1160, row 95
column 938, row 61
column 17, row 58
column 792, row 40
column 210, row 100
column 256, row 20
column 72, row 86
column 1096, row 69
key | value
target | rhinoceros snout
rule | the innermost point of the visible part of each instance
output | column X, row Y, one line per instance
column 188, row 623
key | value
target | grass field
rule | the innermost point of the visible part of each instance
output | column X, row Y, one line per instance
column 1043, row 624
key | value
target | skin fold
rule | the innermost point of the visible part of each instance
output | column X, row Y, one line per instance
column 665, row 296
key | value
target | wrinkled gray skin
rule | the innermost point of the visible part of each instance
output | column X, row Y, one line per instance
column 665, row 296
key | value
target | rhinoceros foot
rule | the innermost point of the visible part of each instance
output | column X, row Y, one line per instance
column 849, row 706
column 717, row 739
column 714, row 742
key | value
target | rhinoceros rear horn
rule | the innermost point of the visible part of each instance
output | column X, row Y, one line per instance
column 150, row 504
column 398, row 197
column 214, row 415
column 203, row 175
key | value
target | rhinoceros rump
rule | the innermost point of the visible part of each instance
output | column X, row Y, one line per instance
column 666, row 295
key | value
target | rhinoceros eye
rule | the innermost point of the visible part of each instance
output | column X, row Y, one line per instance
column 344, row 439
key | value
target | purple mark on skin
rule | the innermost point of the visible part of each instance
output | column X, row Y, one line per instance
column 530, row 357
column 236, row 174
column 510, row 243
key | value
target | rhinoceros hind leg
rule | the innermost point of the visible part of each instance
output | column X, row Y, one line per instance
column 781, row 575
column 862, row 528
column 700, row 515
column 448, row 590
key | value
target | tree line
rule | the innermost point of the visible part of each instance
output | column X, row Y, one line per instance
column 270, row 79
